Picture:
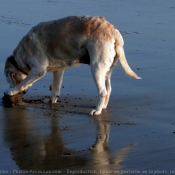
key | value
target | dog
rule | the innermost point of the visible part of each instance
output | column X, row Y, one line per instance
column 59, row 44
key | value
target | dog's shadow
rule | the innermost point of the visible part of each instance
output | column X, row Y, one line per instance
column 35, row 146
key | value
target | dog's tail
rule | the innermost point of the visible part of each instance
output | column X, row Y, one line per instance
column 120, row 55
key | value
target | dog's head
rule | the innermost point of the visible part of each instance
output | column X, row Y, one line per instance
column 13, row 75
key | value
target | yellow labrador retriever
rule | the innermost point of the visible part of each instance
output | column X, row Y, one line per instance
column 59, row 44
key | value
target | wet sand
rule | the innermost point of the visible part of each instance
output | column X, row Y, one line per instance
column 135, row 135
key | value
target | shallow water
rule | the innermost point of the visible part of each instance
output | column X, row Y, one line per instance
column 136, row 134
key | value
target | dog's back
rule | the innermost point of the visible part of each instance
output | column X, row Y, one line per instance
column 73, row 29
column 58, row 39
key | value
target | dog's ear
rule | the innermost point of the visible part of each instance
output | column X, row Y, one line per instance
column 15, row 78
column 11, row 78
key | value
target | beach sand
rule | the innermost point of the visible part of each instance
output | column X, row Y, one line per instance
column 134, row 135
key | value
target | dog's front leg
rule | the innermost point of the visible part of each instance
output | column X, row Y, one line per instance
column 34, row 75
column 57, row 82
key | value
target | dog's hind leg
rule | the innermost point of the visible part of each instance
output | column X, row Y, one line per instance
column 99, row 78
column 108, row 88
column 101, row 58
column 57, row 82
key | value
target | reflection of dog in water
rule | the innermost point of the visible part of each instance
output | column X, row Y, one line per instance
column 35, row 148
column 59, row 44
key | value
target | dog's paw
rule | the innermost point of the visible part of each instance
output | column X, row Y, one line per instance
column 54, row 99
column 95, row 112
column 11, row 92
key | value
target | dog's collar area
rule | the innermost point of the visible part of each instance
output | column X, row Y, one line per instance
column 14, row 63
